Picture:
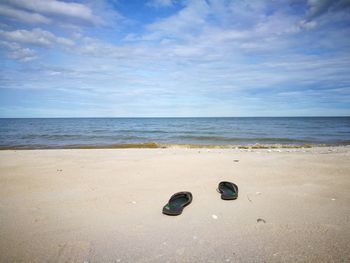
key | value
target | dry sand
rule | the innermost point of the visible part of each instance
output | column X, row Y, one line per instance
column 105, row 205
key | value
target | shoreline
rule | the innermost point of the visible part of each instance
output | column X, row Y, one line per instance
column 152, row 145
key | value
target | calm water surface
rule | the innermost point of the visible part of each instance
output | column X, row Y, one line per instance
column 68, row 132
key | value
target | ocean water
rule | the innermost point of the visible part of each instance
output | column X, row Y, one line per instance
column 107, row 132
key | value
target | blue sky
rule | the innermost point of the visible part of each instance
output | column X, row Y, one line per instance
column 136, row 58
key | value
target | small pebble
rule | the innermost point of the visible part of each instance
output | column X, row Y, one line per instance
column 236, row 161
column 214, row 217
column 258, row 193
column 134, row 202
column 333, row 199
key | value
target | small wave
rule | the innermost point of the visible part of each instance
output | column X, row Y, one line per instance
column 238, row 139
column 82, row 137
column 343, row 142
column 50, row 136
column 142, row 131
column 151, row 145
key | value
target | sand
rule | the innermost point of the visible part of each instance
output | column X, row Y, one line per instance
column 105, row 205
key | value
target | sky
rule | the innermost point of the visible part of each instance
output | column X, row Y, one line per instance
column 174, row 58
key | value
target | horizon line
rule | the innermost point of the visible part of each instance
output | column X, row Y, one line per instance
column 180, row 117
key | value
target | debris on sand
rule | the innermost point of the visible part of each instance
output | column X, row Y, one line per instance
column 214, row 217
column 236, row 161
column 260, row 220
column 249, row 198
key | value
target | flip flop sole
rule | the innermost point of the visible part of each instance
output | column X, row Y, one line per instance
column 225, row 197
column 228, row 192
column 176, row 204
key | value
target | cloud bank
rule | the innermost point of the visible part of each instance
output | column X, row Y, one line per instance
column 175, row 58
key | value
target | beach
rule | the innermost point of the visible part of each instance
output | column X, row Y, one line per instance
column 105, row 205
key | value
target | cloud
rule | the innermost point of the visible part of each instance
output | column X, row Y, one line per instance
column 23, row 54
column 187, row 22
column 16, row 52
column 35, row 36
column 222, row 21
column 201, row 54
column 161, row 3
column 53, row 7
column 320, row 7
column 23, row 16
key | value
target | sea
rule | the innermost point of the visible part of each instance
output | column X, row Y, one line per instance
column 43, row 133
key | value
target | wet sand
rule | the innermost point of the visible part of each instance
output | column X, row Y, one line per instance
column 105, row 205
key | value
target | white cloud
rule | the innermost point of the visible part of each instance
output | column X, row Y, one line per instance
column 220, row 21
column 161, row 3
column 35, row 36
column 15, row 51
column 23, row 54
column 209, row 50
column 23, row 16
column 54, row 7
column 308, row 24
column 186, row 22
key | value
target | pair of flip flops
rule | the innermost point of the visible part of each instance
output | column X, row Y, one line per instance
column 178, row 201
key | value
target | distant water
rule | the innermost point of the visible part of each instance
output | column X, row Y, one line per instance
column 104, row 132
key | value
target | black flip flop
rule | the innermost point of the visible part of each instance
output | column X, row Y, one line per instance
column 177, row 203
column 228, row 190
